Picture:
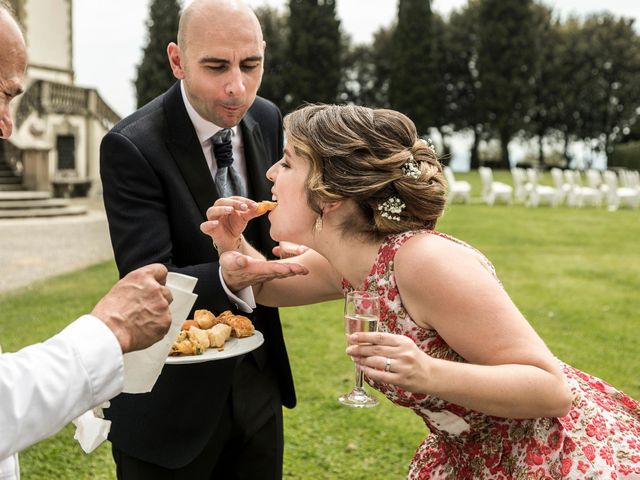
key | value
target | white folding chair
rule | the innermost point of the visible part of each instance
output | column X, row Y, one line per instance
column 492, row 191
column 562, row 189
column 594, row 180
column 580, row 195
column 619, row 196
column 521, row 186
column 456, row 189
column 539, row 193
column 630, row 179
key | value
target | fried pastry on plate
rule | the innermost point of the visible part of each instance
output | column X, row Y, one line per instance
column 200, row 336
column 188, row 324
column 225, row 314
column 183, row 345
column 190, row 342
column 240, row 326
column 205, row 319
column 218, row 334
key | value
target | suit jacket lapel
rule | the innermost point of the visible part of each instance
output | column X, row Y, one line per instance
column 256, row 158
column 258, row 163
column 184, row 146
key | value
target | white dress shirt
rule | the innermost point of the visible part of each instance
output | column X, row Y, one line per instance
column 243, row 299
column 46, row 385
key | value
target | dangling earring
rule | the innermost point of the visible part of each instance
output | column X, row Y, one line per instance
column 317, row 227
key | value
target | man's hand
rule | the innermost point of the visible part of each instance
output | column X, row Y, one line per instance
column 240, row 271
column 137, row 308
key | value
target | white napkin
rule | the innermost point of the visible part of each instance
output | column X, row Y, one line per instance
column 141, row 368
column 91, row 428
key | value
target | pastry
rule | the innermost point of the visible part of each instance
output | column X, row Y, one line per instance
column 265, row 206
column 200, row 336
column 218, row 334
column 240, row 326
column 188, row 324
column 205, row 319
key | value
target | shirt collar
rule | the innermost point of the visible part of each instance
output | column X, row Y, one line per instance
column 204, row 128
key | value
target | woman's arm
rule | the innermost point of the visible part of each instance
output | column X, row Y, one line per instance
column 445, row 286
column 301, row 280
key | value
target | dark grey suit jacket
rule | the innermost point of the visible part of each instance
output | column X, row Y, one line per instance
column 157, row 188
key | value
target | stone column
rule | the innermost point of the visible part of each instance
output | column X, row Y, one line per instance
column 35, row 162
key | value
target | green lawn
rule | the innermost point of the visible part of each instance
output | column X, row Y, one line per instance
column 575, row 273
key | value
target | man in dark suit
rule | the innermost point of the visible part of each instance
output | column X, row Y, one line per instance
column 219, row 419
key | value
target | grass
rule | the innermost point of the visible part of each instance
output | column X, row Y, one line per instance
column 573, row 272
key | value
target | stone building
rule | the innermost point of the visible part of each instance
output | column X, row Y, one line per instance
column 58, row 125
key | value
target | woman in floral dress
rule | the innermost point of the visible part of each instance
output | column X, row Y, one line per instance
column 360, row 189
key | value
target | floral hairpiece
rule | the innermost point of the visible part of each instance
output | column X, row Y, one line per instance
column 392, row 208
column 429, row 144
column 410, row 168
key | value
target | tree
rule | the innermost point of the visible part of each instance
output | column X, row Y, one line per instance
column 465, row 106
column 275, row 81
column 549, row 85
column 506, row 56
column 442, row 88
column 315, row 46
column 367, row 71
column 412, row 87
column 154, row 75
column 573, row 75
column 610, row 47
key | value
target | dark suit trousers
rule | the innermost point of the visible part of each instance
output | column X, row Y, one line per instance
column 247, row 443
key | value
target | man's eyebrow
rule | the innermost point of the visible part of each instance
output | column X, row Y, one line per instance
column 253, row 58
column 213, row 60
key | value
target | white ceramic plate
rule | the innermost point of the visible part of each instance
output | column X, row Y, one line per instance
column 232, row 348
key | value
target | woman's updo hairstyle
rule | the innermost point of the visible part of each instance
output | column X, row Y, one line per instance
column 373, row 157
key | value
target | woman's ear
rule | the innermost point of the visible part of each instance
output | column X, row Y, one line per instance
column 329, row 207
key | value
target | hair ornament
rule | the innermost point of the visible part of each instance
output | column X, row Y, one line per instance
column 410, row 168
column 392, row 208
column 429, row 144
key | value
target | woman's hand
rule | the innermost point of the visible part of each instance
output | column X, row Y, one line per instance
column 240, row 271
column 226, row 220
column 289, row 249
column 390, row 358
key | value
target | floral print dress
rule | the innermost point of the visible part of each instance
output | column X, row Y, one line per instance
column 598, row 439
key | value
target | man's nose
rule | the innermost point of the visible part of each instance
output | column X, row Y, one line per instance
column 235, row 84
column 6, row 125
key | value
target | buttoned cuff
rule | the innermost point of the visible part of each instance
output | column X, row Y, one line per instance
column 100, row 353
column 243, row 299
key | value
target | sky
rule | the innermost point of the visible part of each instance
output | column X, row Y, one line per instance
column 109, row 35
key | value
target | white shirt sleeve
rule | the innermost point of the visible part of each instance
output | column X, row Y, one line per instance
column 242, row 299
column 10, row 468
column 44, row 386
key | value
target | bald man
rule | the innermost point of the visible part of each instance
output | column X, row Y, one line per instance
column 44, row 386
column 219, row 419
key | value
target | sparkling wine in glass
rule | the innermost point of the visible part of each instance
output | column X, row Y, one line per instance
column 361, row 314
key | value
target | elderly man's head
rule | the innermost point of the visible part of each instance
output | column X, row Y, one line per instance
column 13, row 63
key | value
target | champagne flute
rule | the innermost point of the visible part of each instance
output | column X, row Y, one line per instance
column 361, row 314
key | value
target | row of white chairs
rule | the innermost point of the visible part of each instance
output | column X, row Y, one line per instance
column 602, row 188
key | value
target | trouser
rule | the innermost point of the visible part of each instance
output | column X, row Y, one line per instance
column 247, row 443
